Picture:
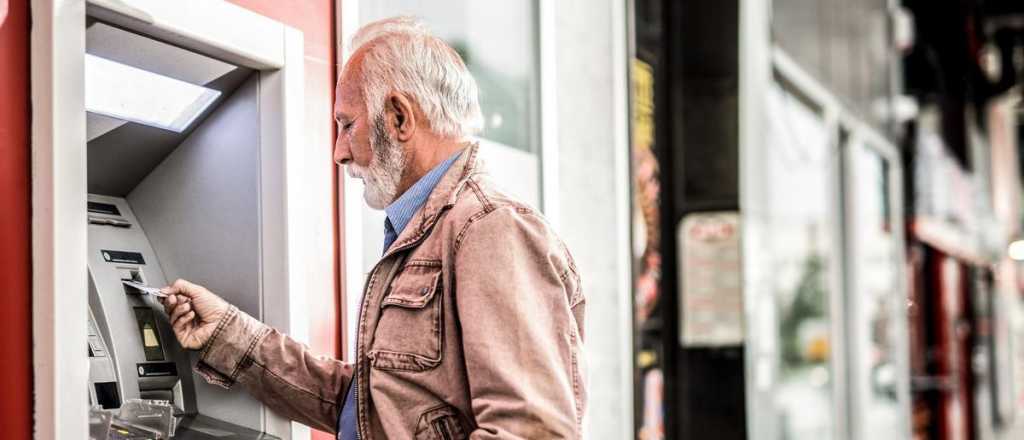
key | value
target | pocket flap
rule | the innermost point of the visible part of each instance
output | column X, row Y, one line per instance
column 414, row 286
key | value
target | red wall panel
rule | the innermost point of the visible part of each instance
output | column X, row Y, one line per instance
column 15, row 218
column 315, row 18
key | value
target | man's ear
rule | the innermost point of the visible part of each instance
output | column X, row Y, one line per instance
column 401, row 116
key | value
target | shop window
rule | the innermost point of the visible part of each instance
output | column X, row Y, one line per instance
column 875, row 298
column 800, row 176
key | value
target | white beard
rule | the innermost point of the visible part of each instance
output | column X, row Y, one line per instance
column 382, row 176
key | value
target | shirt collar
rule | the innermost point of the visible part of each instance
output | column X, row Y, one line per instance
column 400, row 212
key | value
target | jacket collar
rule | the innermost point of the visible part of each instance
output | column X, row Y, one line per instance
column 442, row 197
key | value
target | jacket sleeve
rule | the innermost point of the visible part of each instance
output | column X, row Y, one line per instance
column 280, row 372
column 520, row 310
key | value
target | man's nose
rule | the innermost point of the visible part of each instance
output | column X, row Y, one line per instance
column 342, row 154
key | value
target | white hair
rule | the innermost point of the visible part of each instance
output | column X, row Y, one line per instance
column 402, row 56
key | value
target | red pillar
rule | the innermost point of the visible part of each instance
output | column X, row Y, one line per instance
column 15, row 218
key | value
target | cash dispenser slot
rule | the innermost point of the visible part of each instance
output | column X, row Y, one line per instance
column 106, row 395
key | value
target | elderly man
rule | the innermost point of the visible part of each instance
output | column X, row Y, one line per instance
column 471, row 324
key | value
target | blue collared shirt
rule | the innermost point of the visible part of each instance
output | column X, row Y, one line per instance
column 399, row 214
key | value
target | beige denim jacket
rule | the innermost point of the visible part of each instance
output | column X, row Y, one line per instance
column 471, row 327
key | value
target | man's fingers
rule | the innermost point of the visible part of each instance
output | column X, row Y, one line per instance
column 175, row 302
column 169, row 302
column 185, row 318
column 180, row 310
column 183, row 321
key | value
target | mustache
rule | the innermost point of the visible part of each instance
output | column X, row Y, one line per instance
column 355, row 171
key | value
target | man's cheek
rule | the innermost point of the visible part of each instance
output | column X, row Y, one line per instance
column 364, row 157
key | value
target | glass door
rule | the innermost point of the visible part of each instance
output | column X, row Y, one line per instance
column 875, row 301
column 793, row 272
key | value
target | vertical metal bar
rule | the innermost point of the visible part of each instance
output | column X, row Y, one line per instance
column 547, row 45
column 754, row 80
column 622, row 53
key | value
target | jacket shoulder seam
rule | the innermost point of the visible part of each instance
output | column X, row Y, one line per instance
column 474, row 185
column 465, row 229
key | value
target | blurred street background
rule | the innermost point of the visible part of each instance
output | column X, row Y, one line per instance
column 827, row 215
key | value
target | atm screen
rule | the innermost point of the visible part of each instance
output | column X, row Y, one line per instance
column 146, row 319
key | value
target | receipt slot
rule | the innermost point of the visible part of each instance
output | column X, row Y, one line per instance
column 191, row 150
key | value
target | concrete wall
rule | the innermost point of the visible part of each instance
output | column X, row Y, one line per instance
column 593, row 197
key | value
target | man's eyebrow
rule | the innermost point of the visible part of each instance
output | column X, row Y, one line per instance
column 343, row 118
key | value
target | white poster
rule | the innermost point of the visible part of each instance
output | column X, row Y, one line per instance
column 711, row 292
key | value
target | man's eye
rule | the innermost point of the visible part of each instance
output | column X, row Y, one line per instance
column 346, row 126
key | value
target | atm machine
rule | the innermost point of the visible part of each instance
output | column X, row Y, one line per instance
column 132, row 350
column 173, row 192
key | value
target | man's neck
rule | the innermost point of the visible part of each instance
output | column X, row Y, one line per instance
column 423, row 157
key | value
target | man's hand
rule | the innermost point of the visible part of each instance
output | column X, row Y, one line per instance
column 194, row 312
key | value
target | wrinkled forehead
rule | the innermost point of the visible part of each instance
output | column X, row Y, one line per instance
column 349, row 97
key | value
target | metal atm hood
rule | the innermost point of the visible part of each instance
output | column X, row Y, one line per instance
column 121, row 153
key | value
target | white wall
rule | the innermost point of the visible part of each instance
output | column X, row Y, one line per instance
column 593, row 196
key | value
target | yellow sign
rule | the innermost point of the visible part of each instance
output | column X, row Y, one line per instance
column 643, row 105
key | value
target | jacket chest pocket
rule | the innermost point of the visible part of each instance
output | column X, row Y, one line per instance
column 409, row 332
